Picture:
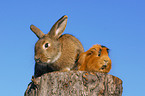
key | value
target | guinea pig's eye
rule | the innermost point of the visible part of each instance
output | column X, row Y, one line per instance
column 99, row 54
column 46, row 45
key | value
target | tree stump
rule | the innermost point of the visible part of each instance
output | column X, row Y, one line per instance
column 75, row 83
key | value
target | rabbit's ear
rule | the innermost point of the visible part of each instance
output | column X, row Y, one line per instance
column 58, row 28
column 37, row 31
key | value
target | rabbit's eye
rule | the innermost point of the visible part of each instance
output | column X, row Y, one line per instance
column 46, row 45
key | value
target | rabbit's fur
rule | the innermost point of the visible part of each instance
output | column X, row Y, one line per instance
column 55, row 52
column 96, row 59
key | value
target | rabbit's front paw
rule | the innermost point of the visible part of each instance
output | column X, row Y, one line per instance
column 65, row 69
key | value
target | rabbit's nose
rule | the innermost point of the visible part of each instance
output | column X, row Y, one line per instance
column 37, row 59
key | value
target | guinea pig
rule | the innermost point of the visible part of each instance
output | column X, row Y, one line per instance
column 96, row 59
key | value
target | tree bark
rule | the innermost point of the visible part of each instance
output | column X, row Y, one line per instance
column 75, row 83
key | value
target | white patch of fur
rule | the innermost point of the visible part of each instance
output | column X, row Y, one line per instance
column 48, row 61
column 57, row 31
column 56, row 58
column 68, row 69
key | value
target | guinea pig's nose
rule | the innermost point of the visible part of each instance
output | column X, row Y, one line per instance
column 106, row 61
column 104, row 66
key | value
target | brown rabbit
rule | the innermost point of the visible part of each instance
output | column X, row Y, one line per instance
column 95, row 59
column 55, row 52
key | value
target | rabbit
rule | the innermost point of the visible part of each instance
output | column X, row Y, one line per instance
column 54, row 51
column 96, row 59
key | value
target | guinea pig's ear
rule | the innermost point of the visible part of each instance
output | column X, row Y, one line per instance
column 58, row 28
column 37, row 31
column 91, row 51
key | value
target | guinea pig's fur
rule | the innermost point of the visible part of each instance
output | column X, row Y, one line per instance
column 96, row 59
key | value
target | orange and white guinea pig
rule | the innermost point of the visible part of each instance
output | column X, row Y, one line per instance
column 96, row 59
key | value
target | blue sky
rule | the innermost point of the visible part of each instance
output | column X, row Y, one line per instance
column 117, row 24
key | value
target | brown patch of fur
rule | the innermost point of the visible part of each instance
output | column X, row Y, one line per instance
column 93, row 60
